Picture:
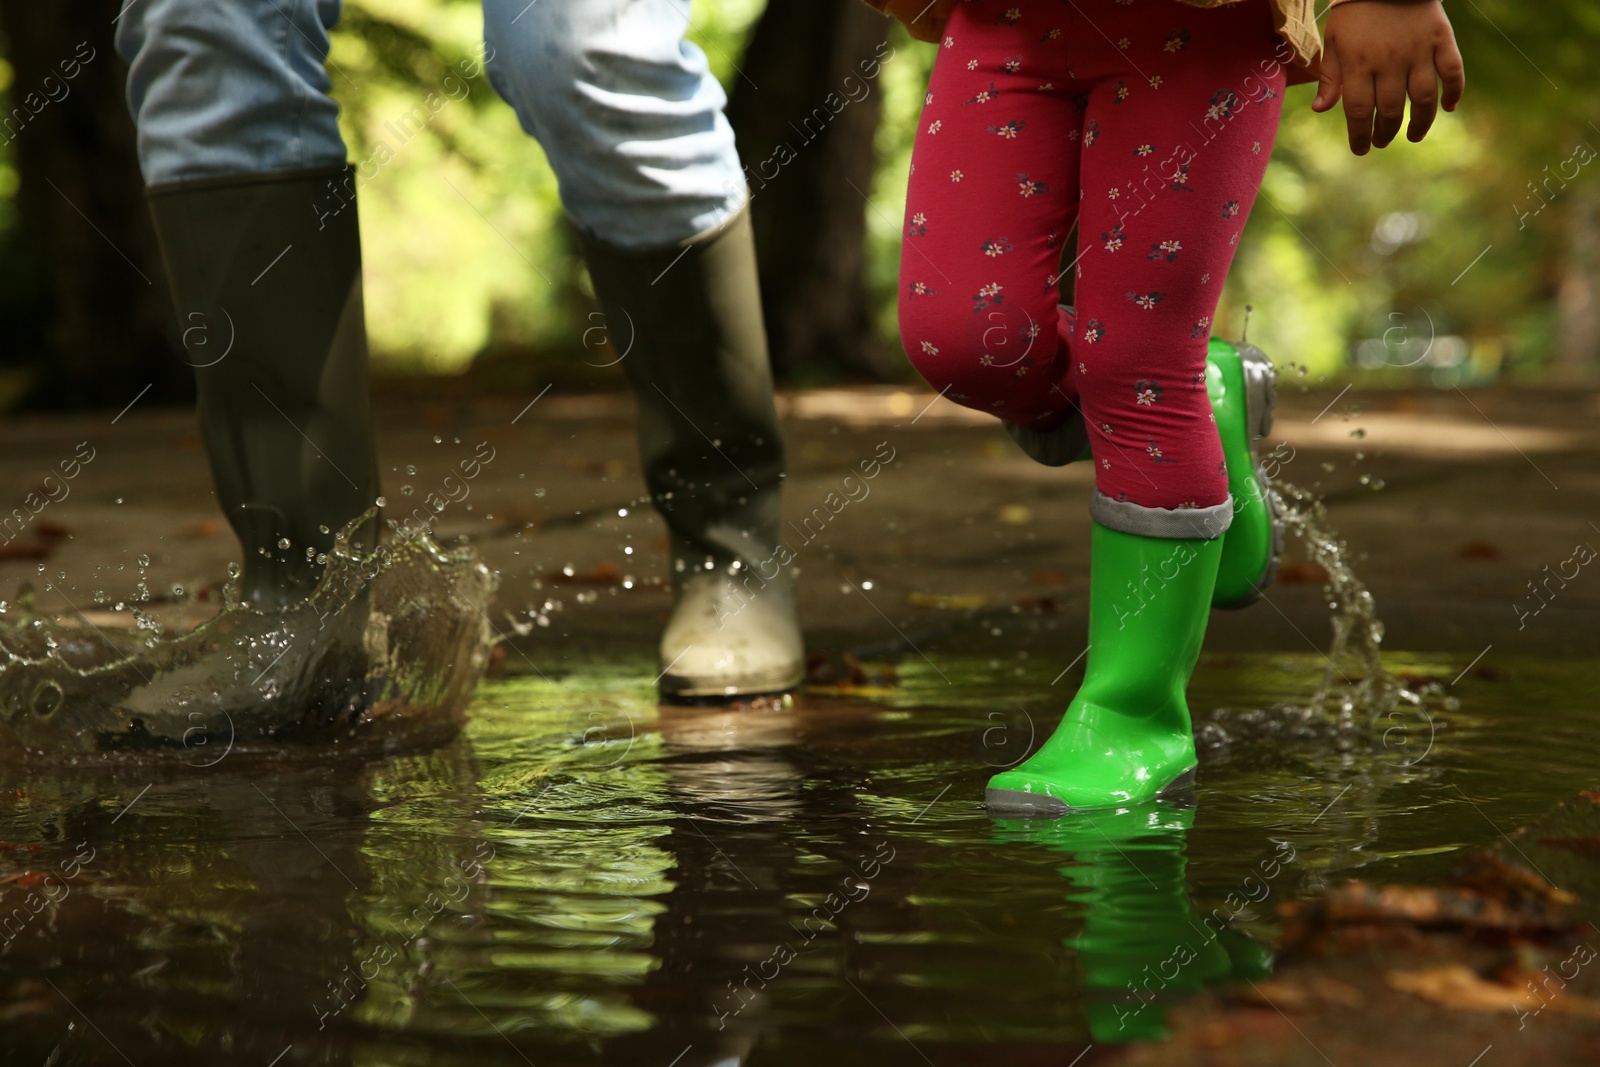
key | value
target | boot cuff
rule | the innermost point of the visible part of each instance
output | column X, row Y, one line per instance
column 1173, row 523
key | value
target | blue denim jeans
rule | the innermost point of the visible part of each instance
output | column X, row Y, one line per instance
column 626, row 109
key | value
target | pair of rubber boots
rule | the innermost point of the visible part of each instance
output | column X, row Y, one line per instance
column 265, row 273
column 1127, row 738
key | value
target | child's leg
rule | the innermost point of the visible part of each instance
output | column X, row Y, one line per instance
column 1177, row 129
column 1170, row 168
column 992, row 195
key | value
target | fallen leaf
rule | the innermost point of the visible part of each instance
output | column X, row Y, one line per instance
column 848, row 675
column 26, row 879
column 1583, row 846
column 607, row 573
column 1297, row 572
column 1499, row 899
column 942, row 602
column 1305, row 994
column 1455, row 985
column 1591, row 795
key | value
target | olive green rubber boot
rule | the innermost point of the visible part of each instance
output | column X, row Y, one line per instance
column 1126, row 737
column 1243, row 387
column 265, row 272
column 686, row 324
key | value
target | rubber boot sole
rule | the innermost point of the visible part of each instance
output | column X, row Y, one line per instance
column 1018, row 804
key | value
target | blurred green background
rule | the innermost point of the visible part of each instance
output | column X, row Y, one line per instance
column 1472, row 258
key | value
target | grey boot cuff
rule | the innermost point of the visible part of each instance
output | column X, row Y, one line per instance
column 1180, row 524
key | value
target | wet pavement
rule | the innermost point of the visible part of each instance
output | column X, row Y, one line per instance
column 584, row 877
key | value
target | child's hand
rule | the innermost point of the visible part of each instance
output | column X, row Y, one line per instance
column 1376, row 52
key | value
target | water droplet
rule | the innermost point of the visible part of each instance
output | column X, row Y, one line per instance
column 406, row 490
column 283, row 542
column 411, row 468
column 1358, row 433
column 233, row 570
column 144, row 561
column 324, row 529
column 382, row 502
column 41, row 568
column 322, row 559
column 568, row 570
column 119, row 500
column 539, row 493
column 866, row 585
column 438, row 440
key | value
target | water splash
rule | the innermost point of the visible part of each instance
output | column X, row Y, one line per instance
column 389, row 646
column 1355, row 679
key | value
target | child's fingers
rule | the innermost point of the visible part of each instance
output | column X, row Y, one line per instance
column 1424, row 90
column 1391, row 107
column 1452, row 71
column 1329, row 82
column 1359, row 96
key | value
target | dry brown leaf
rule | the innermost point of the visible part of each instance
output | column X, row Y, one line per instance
column 1306, row 994
column 1455, row 985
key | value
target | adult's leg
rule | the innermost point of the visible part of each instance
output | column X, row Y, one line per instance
column 253, row 206
column 632, row 122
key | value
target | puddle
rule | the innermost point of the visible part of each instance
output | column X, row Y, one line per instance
column 582, row 877
column 387, row 650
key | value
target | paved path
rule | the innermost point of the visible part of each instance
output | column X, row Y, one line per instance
column 1481, row 493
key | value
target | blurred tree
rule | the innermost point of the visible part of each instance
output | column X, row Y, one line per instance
column 89, row 317
column 806, row 106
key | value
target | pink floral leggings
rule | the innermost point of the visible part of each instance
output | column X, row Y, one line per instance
column 1149, row 124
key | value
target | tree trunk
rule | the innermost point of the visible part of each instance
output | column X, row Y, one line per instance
column 1578, row 307
column 94, row 329
column 806, row 107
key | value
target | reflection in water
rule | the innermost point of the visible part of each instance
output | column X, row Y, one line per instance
column 1140, row 940
column 584, row 878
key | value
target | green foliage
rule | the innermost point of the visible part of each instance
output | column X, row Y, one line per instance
column 467, row 253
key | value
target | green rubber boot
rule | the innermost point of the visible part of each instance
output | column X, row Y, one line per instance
column 1242, row 386
column 1126, row 737
column 1141, row 942
column 265, row 272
